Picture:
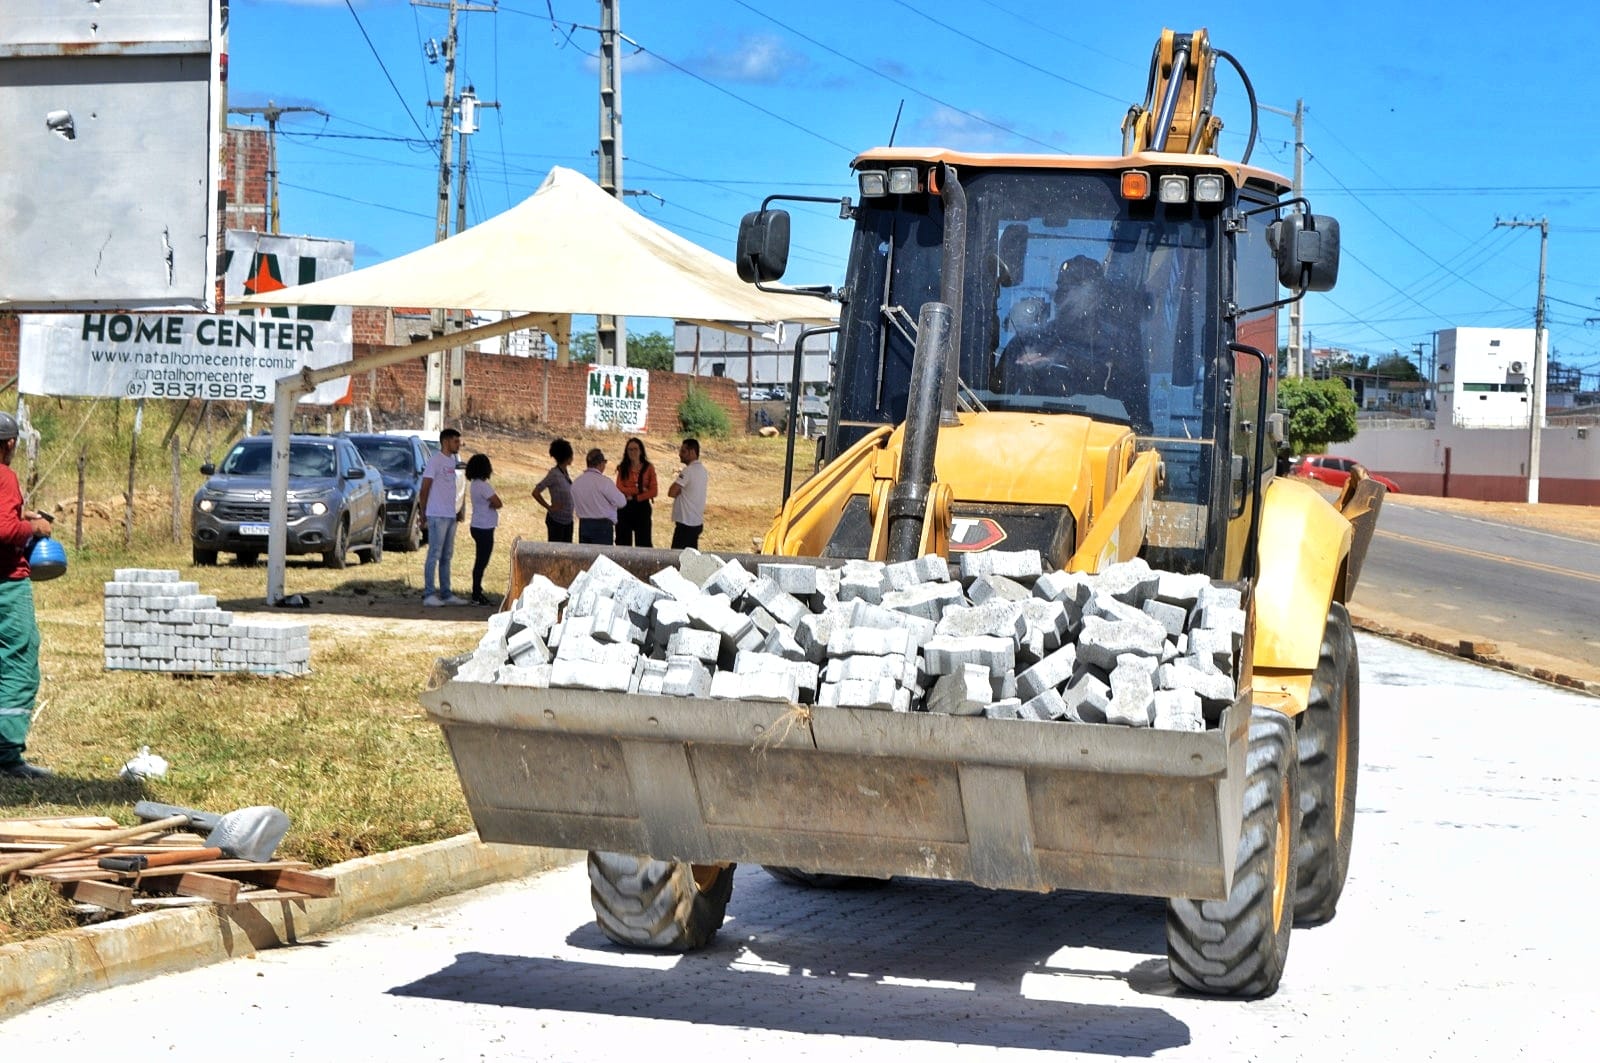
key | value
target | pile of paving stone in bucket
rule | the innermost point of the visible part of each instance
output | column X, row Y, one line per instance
column 1129, row 645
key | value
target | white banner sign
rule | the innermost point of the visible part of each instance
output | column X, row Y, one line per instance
column 201, row 356
column 617, row 398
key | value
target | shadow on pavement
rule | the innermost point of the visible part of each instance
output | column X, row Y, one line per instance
column 922, row 961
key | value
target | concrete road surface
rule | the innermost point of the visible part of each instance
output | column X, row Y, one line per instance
column 1465, row 933
column 1532, row 593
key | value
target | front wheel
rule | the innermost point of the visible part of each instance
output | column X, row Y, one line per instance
column 334, row 558
column 1238, row 947
column 374, row 551
column 205, row 557
column 1329, row 749
column 658, row 904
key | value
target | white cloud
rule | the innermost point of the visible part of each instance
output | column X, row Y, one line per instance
column 953, row 129
column 760, row 59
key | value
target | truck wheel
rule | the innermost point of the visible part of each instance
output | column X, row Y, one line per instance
column 793, row 876
column 204, row 557
column 413, row 539
column 1237, row 947
column 658, row 904
column 341, row 545
column 1329, row 743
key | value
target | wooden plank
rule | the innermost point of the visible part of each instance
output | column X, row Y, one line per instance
column 285, row 879
column 95, row 822
column 267, row 896
column 105, row 894
column 213, row 888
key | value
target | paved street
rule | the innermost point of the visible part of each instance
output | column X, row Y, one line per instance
column 1530, row 592
column 1464, row 934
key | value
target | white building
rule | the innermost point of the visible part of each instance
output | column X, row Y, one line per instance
column 761, row 360
column 1485, row 377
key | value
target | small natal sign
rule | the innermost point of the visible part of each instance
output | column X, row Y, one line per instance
column 617, row 398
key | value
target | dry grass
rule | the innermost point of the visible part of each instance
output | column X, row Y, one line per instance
column 346, row 750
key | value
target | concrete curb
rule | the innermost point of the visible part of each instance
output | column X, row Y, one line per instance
column 1478, row 652
column 132, row 949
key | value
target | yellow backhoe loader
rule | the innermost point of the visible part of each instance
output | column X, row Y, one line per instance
column 1071, row 354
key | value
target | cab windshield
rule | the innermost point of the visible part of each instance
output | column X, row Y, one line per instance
column 1075, row 301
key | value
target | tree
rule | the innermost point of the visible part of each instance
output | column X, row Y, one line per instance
column 652, row 351
column 1320, row 412
column 1397, row 367
column 649, row 350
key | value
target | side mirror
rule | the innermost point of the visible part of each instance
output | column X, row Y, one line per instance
column 763, row 248
column 1307, row 250
column 208, row 469
column 356, row 474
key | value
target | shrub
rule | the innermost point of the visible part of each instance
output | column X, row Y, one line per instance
column 700, row 416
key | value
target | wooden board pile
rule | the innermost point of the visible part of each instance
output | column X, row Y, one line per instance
column 79, row 876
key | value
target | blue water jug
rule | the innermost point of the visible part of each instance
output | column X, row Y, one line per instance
column 47, row 559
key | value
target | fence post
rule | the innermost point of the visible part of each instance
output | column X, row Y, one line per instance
column 177, row 494
column 77, row 531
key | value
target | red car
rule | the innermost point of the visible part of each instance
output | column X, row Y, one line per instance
column 1335, row 471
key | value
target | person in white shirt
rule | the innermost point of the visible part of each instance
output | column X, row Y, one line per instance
column 439, row 508
column 485, row 518
column 688, row 494
column 595, row 501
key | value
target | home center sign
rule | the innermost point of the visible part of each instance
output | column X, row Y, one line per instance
column 237, row 356
column 617, row 398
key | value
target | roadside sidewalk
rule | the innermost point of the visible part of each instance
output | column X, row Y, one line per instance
column 128, row 950
column 1526, row 661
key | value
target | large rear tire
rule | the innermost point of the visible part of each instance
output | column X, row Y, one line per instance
column 793, row 876
column 1329, row 747
column 658, row 904
column 1238, row 947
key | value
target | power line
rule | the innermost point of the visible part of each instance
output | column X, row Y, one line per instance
column 896, row 81
column 404, row 106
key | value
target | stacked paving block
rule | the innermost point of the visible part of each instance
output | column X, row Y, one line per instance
column 1129, row 646
column 155, row 622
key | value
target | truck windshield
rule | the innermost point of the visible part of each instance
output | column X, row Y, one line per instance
column 1076, row 301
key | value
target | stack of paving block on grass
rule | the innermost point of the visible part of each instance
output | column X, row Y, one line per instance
column 155, row 622
column 1129, row 646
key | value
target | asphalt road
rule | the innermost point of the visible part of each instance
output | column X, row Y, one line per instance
column 1525, row 590
column 1463, row 935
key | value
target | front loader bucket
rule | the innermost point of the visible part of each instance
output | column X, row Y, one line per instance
column 1359, row 503
column 560, row 563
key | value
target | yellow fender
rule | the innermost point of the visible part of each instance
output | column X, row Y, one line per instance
column 1303, row 548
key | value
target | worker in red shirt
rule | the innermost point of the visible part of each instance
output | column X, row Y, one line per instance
column 19, row 634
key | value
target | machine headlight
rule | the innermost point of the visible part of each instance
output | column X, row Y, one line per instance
column 318, row 508
column 205, row 505
column 873, row 183
column 399, row 494
column 1208, row 188
column 1173, row 188
column 902, row 180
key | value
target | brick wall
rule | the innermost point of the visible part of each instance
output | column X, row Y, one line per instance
column 519, row 391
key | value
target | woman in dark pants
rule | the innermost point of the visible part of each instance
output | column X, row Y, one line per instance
column 636, row 479
column 485, row 518
column 558, row 484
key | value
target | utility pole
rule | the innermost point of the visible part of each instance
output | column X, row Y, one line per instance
column 1297, row 362
column 611, row 333
column 272, row 112
column 1536, row 406
column 444, row 371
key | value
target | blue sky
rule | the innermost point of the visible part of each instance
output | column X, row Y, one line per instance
column 1425, row 124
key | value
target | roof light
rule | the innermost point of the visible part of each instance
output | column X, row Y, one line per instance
column 1135, row 184
column 902, row 180
column 1174, row 188
column 873, row 183
column 1208, row 188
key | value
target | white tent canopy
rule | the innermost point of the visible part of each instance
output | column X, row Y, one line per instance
column 567, row 249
